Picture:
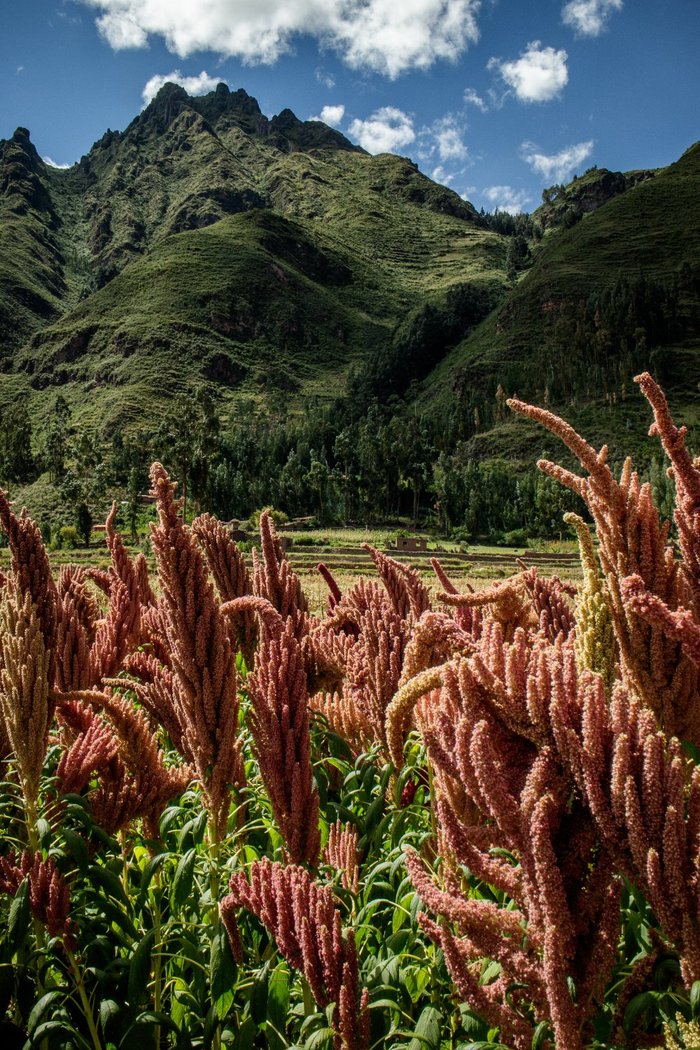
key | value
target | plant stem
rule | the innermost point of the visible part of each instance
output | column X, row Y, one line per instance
column 157, row 957
column 125, row 863
column 87, row 1008
column 309, row 1001
column 214, row 862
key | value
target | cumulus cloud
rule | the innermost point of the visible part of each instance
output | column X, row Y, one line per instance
column 448, row 139
column 539, row 75
column 505, row 198
column 473, row 98
column 387, row 130
column 379, row 35
column 52, row 164
column 556, row 167
column 201, row 84
column 440, row 175
column 589, row 17
column 332, row 115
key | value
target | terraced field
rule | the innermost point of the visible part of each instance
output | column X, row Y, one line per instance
column 473, row 569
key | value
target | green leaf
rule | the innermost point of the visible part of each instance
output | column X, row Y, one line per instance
column 168, row 817
column 18, row 921
column 192, row 832
column 222, row 971
column 490, row 973
column 278, row 1007
column 43, row 830
column 319, row 1039
column 427, row 1030
column 542, row 1033
column 481, row 1045
column 109, row 1012
column 150, row 869
column 635, row 1008
column 695, row 999
column 108, row 881
column 152, row 1018
column 415, row 980
column 182, row 882
column 147, row 1019
column 116, row 914
column 48, row 1027
column 40, row 1008
column 472, row 1024
column 139, row 970
column 245, row 1036
column 385, row 1004
column 258, row 995
column 77, row 849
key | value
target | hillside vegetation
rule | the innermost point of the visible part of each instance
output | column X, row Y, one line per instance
column 207, row 244
column 285, row 320
column 617, row 292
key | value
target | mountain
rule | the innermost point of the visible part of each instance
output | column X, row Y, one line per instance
column 209, row 244
column 271, row 260
column 565, row 205
column 613, row 294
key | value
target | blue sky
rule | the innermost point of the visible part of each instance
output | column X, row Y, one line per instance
column 496, row 98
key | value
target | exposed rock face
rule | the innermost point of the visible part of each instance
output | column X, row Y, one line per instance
column 565, row 205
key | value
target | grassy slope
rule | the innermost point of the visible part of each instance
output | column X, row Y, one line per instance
column 32, row 283
column 286, row 296
column 651, row 230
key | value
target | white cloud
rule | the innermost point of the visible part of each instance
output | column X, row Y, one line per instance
column 20, row 69
column 121, row 29
column 380, row 35
column 556, row 167
column 332, row 115
column 505, row 198
column 539, row 75
column 386, row 131
column 440, row 175
column 472, row 98
column 443, row 142
column 324, row 78
column 448, row 139
column 589, row 17
column 52, row 164
column 199, row 85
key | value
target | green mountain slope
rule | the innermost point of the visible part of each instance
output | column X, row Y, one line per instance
column 206, row 243
column 272, row 259
column 616, row 293
column 32, row 284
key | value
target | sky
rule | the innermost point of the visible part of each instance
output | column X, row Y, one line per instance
column 497, row 99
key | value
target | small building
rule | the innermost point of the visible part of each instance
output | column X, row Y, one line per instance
column 411, row 543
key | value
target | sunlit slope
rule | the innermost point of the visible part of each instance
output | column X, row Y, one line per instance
column 617, row 293
column 206, row 243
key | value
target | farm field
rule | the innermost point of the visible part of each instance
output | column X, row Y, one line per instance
column 342, row 551
column 456, row 819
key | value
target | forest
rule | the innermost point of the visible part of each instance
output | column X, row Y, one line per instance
column 372, row 455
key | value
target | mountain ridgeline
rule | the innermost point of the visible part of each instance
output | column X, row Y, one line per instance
column 272, row 263
column 208, row 244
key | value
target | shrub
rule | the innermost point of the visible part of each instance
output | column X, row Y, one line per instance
column 69, row 539
column 278, row 517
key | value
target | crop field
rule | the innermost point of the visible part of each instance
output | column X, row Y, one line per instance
column 453, row 808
